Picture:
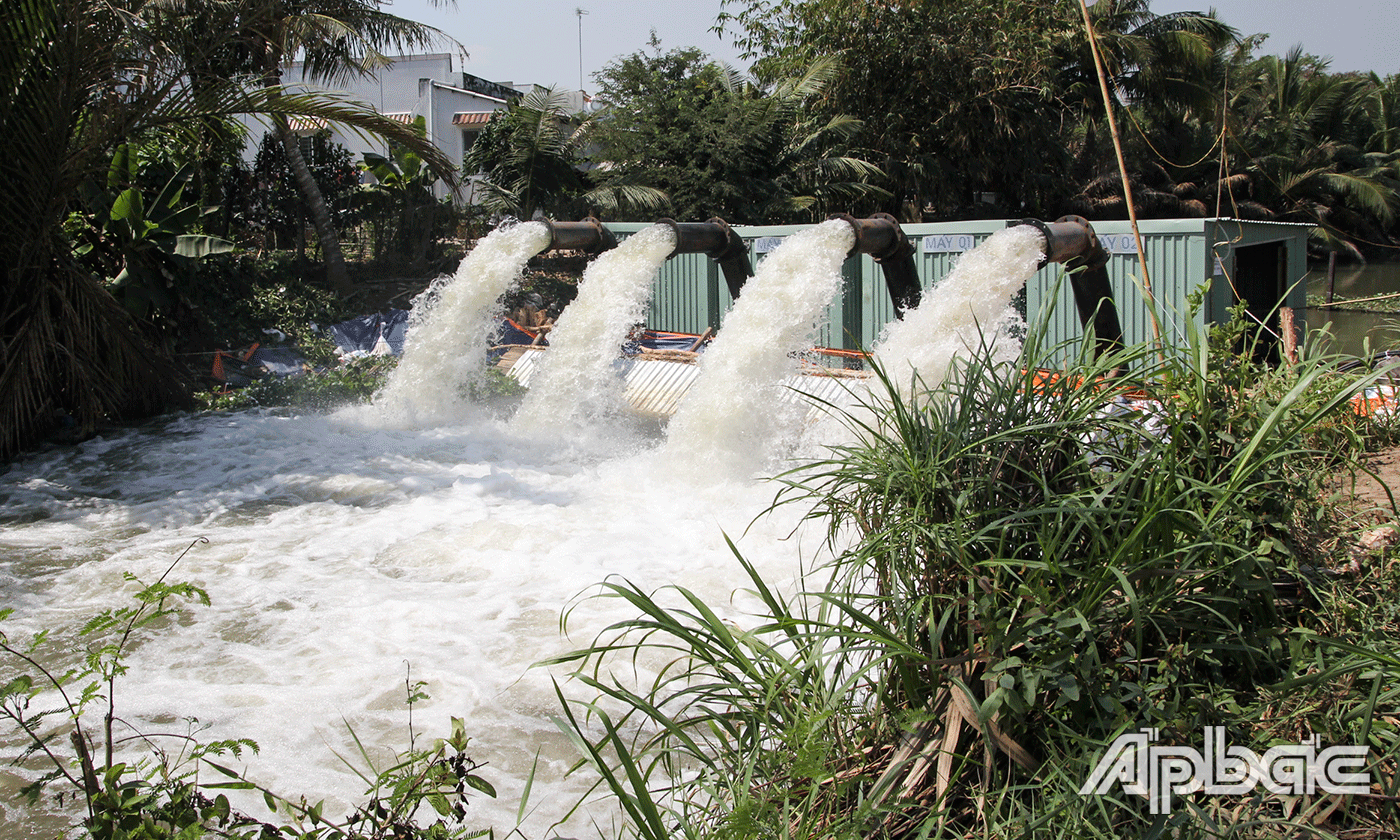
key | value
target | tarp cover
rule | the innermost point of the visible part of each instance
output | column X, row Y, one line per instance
column 378, row 334
column 656, row 340
column 509, row 332
column 279, row 361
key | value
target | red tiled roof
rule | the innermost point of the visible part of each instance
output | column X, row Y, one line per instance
column 472, row 117
column 305, row 125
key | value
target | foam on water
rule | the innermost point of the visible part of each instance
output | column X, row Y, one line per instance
column 576, row 380
column 450, row 326
column 972, row 301
column 735, row 413
column 343, row 550
column 340, row 554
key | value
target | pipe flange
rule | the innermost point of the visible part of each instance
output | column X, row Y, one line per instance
column 1095, row 257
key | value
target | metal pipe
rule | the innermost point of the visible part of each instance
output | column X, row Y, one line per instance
column 718, row 241
column 1071, row 240
column 883, row 239
column 588, row 235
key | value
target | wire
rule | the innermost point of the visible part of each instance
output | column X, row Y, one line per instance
column 1143, row 133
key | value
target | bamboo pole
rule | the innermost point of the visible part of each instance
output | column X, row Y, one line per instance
column 1122, row 166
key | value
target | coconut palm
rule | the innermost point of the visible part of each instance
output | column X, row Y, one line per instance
column 336, row 40
column 77, row 79
column 1298, row 151
column 1384, row 107
column 1168, row 68
column 530, row 160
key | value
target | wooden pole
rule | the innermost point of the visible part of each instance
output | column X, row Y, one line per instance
column 1331, row 276
column 1122, row 165
column 1290, row 334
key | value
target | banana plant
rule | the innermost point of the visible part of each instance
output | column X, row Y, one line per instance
column 143, row 240
column 402, row 196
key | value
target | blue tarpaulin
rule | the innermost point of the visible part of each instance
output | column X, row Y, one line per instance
column 380, row 333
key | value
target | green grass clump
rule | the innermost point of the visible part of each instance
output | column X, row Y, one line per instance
column 1024, row 568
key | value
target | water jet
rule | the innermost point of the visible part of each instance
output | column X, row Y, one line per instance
column 655, row 382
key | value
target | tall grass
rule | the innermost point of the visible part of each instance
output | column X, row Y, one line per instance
column 1025, row 564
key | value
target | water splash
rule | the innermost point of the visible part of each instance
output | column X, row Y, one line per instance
column 576, row 381
column 973, row 301
column 338, row 551
column 735, row 413
column 447, row 337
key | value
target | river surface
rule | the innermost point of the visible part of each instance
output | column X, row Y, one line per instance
column 1353, row 330
column 340, row 555
column 427, row 537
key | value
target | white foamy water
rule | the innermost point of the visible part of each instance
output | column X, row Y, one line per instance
column 343, row 550
column 340, row 553
column 576, row 380
column 972, row 301
column 445, row 349
column 738, row 408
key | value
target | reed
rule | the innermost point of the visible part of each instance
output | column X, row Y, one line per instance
column 1027, row 560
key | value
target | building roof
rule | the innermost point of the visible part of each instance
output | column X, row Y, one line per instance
column 472, row 117
column 305, row 125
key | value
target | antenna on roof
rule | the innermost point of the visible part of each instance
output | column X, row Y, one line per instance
column 580, row 11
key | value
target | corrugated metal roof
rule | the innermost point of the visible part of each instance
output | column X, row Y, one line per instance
column 655, row 388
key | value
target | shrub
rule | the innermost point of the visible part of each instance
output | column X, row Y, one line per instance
column 1024, row 566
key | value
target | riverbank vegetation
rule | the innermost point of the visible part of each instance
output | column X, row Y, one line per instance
column 85, row 83
column 1027, row 561
column 1024, row 568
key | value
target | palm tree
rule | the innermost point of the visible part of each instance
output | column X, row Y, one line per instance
column 530, row 160
column 1298, row 146
column 1384, row 108
column 77, row 79
column 810, row 176
column 1168, row 68
column 337, row 39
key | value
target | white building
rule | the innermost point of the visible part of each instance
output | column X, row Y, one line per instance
column 455, row 106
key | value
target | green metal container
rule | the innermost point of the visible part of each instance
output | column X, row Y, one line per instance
column 1261, row 262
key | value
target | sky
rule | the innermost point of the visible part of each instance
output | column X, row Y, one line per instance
column 538, row 41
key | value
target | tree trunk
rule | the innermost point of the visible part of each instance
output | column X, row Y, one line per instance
column 336, row 274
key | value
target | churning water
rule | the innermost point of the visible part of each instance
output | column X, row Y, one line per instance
column 341, row 553
column 736, row 410
column 973, row 301
column 576, row 381
column 418, row 538
column 445, row 350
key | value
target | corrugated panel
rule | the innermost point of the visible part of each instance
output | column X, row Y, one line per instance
column 817, row 391
column 684, row 297
column 655, row 388
column 521, row 365
column 1180, row 255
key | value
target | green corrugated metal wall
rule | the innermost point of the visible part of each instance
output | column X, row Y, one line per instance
column 690, row 293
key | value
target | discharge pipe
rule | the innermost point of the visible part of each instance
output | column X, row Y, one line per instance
column 1071, row 240
column 587, row 235
column 714, row 238
column 718, row 241
column 883, row 239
